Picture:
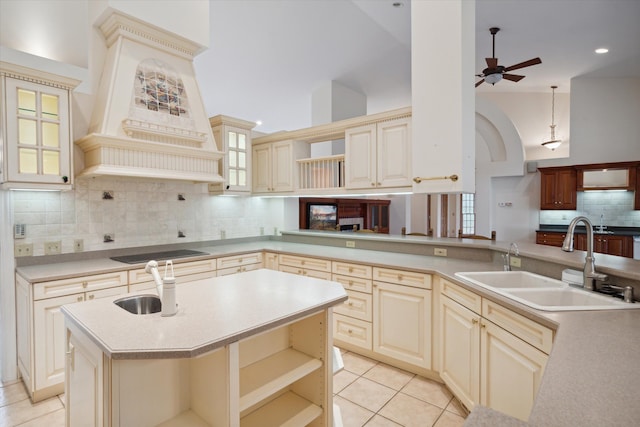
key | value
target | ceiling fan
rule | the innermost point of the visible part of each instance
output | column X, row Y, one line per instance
column 494, row 72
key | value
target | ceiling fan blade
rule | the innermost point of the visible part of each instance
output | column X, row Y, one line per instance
column 492, row 62
column 512, row 77
column 479, row 83
column 528, row 63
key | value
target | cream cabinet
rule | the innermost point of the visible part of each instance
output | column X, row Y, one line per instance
column 352, row 322
column 239, row 263
column 490, row 355
column 83, row 380
column 273, row 165
column 402, row 323
column 36, row 129
column 233, row 137
column 378, row 155
column 41, row 333
column 305, row 266
column 270, row 260
column 140, row 280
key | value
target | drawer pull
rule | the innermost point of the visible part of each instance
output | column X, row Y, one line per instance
column 350, row 282
column 350, row 269
column 349, row 331
column 350, row 303
column 399, row 277
column 85, row 284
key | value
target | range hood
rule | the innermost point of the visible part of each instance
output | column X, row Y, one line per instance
column 149, row 119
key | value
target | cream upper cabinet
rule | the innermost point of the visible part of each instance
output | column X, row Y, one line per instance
column 402, row 323
column 273, row 166
column 378, row 155
column 233, row 137
column 37, row 135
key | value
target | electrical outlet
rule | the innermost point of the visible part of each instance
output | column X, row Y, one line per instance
column 439, row 252
column 24, row 249
column 78, row 245
column 52, row 248
column 351, row 244
column 515, row 261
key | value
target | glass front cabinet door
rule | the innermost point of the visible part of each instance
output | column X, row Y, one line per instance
column 233, row 137
column 37, row 136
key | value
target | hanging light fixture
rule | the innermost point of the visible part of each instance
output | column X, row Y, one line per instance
column 553, row 142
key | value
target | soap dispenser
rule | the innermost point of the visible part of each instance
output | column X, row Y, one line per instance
column 169, row 306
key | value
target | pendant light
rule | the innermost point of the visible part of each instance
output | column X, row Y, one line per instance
column 553, row 142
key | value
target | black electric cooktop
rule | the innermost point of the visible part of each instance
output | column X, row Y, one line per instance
column 158, row 256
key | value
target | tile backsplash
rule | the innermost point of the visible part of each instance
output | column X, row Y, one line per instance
column 138, row 212
column 615, row 208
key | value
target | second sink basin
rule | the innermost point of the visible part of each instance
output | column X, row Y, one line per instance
column 140, row 304
column 510, row 279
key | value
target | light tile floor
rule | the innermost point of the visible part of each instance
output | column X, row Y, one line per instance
column 369, row 393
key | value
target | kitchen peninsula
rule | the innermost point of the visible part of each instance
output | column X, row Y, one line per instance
column 244, row 349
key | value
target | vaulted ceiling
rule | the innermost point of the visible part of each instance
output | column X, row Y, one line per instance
column 267, row 56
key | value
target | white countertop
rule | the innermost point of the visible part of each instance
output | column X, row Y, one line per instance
column 211, row 313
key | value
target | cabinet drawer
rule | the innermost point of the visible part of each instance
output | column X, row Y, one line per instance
column 150, row 284
column 353, row 331
column 180, row 269
column 58, row 288
column 239, row 260
column 105, row 293
column 526, row 329
column 325, row 275
column 358, row 305
column 353, row 283
column 240, row 269
column 305, row 262
column 353, row 270
column 401, row 277
column 461, row 295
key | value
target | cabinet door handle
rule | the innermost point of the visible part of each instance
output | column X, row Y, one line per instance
column 71, row 355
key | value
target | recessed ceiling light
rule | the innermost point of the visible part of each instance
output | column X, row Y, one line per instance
column 259, row 123
column 602, row 50
column 397, row 4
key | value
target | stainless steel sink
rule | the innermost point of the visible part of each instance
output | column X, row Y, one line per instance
column 140, row 304
column 541, row 292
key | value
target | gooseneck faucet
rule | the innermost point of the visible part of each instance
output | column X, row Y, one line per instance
column 507, row 257
column 590, row 274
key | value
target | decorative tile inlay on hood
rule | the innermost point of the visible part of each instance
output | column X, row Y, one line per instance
column 149, row 118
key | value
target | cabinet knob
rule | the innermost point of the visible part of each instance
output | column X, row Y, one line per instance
column 240, row 260
column 474, row 321
column 373, row 184
column 399, row 277
column 350, row 282
column 350, row 304
column 379, row 184
column 349, row 331
column 85, row 284
column 80, row 298
column 483, row 325
column 92, row 296
column 350, row 269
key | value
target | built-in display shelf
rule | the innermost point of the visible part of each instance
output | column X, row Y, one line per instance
column 288, row 410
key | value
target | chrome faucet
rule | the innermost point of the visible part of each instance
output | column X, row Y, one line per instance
column 590, row 274
column 507, row 257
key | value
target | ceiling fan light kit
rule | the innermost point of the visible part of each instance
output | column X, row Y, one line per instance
column 494, row 72
column 553, row 142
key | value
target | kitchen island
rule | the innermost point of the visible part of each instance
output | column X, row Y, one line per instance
column 247, row 349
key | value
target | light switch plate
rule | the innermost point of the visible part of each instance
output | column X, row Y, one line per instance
column 440, row 252
column 351, row 244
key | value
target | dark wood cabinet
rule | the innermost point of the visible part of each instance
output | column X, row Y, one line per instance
column 602, row 243
column 637, row 204
column 550, row 238
column 374, row 212
column 558, row 188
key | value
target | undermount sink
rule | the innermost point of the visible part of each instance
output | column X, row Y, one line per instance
column 140, row 304
column 541, row 292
